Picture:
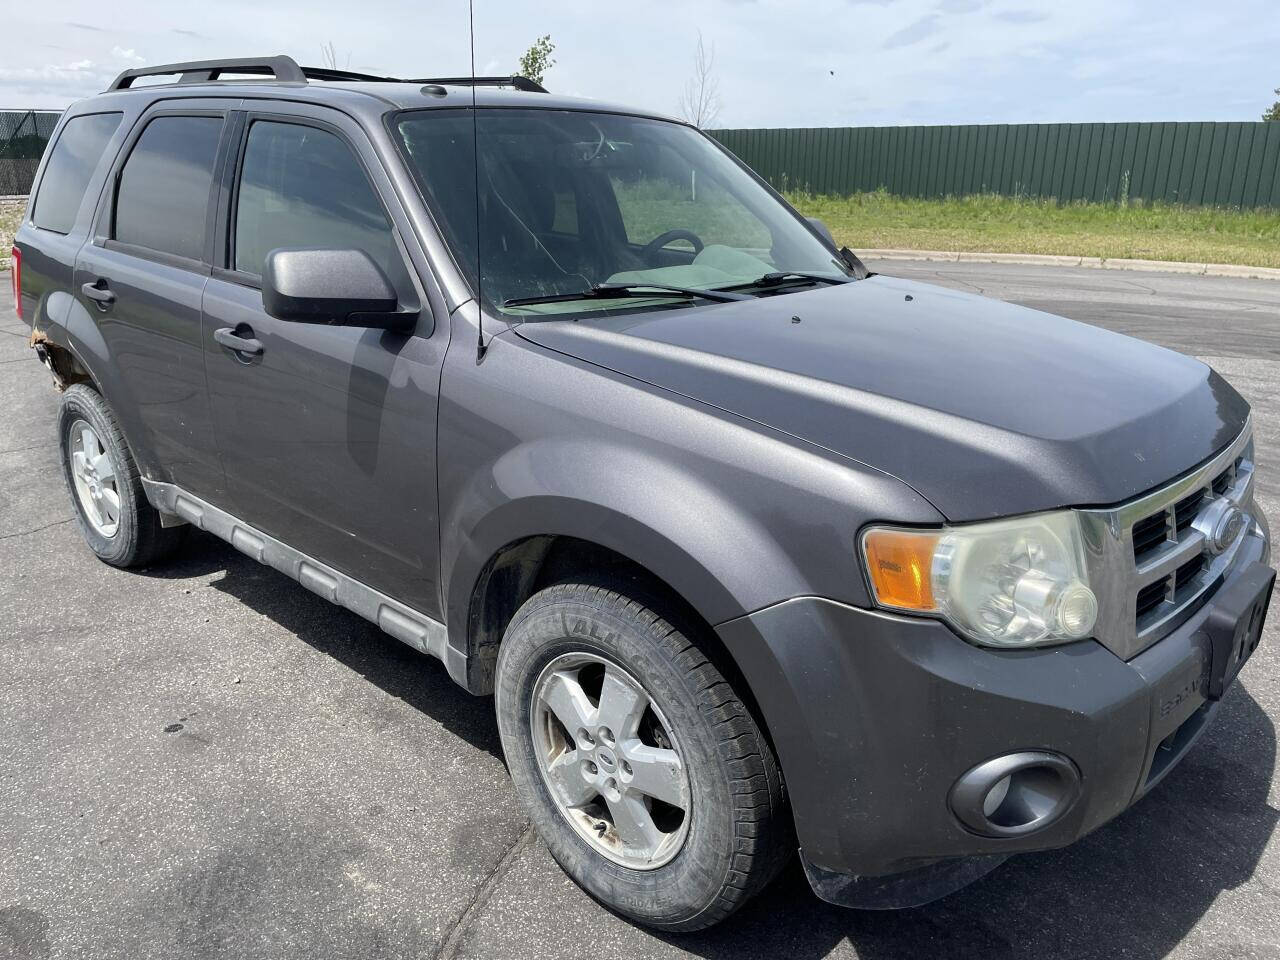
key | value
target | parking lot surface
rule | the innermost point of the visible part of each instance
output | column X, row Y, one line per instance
column 206, row 760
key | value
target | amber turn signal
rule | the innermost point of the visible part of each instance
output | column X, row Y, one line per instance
column 899, row 563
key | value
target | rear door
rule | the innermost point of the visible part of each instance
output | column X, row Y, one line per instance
column 327, row 434
column 143, row 276
column 58, row 221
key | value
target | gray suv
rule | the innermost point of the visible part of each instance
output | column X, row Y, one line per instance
column 755, row 551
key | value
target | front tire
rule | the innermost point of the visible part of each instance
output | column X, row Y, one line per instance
column 643, row 771
column 105, row 486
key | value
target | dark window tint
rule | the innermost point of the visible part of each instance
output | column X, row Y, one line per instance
column 74, row 158
column 303, row 187
column 164, row 187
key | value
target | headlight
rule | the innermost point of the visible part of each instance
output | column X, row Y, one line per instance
column 1011, row 583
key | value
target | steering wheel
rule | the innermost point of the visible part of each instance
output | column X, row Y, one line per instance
column 671, row 236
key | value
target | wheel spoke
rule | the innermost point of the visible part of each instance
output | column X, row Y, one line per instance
column 565, row 775
column 621, row 705
column 565, row 697
column 612, row 787
column 109, row 506
column 635, row 826
column 656, row 773
column 102, row 464
column 78, row 463
column 88, row 442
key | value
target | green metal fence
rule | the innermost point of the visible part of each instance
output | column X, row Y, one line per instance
column 23, row 135
column 1200, row 164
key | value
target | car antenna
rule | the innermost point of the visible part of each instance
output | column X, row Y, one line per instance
column 475, row 148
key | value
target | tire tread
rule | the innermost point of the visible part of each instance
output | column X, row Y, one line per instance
column 763, row 835
column 152, row 540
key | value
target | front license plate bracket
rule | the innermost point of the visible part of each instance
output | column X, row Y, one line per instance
column 1234, row 625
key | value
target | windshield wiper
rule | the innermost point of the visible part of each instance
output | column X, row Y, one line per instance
column 790, row 276
column 619, row 291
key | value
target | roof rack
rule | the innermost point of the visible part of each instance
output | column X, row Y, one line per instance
column 283, row 69
column 286, row 70
column 520, row 83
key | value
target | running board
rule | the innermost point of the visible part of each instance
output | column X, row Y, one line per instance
column 402, row 622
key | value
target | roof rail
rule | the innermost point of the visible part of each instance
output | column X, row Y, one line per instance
column 284, row 69
column 520, row 83
column 328, row 73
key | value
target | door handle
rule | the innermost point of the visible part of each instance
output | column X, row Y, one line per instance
column 99, row 293
column 246, row 345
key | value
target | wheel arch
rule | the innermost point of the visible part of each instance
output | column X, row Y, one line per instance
column 520, row 569
column 76, row 352
column 501, row 568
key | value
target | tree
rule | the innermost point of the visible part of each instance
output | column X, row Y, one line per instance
column 537, row 59
column 700, row 102
column 329, row 54
column 1274, row 113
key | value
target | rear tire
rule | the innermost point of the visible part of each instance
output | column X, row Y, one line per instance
column 105, row 486
column 591, row 639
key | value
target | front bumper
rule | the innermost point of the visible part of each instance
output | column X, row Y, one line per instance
column 876, row 716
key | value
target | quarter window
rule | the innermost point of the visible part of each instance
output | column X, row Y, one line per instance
column 75, row 156
column 301, row 186
column 163, row 198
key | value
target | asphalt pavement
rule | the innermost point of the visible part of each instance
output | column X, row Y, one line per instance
column 205, row 760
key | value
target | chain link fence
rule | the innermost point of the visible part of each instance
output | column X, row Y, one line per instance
column 23, row 137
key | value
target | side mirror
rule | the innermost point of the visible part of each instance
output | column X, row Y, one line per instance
column 339, row 287
column 823, row 230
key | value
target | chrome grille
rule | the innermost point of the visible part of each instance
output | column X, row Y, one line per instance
column 1151, row 560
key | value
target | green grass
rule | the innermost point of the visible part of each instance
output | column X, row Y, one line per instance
column 1007, row 225
column 979, row 223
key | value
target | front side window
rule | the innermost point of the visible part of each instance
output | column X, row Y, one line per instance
column 66, row 177
column 572, row 200
column 163, row 198
column 301, row 186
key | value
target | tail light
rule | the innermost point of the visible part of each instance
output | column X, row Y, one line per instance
column 16, row 270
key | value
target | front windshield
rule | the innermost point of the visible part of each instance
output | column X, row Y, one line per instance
column 570, row 201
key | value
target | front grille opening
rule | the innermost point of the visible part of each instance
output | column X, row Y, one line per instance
column 1148, row 534
column 1185, row 510
column 1187, row 577
column 1176, row 743
column 1222, row 482
column 1150, row 597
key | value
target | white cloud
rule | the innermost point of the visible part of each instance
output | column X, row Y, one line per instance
column 780, row 62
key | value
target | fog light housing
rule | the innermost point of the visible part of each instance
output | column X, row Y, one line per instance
column 1017, row 794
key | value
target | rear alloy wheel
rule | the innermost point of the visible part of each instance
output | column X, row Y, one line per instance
column 642, row 769
column 117, row 522
column 93, row 476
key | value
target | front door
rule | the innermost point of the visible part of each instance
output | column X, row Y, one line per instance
column 327, row 433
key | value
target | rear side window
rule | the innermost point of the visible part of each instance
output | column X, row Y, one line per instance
column 301, row 186
column 163, row 196
column 75, row 156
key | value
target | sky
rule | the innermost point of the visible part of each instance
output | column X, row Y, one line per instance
column 777, row 62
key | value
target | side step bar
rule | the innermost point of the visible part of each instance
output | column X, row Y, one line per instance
column 404, row 623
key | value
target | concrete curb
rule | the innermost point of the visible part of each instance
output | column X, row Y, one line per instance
column 1096, row 263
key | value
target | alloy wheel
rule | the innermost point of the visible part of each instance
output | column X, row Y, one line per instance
column 94, row 475
column 609, row 761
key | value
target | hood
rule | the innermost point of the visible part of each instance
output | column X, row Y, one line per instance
column 986, row 408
